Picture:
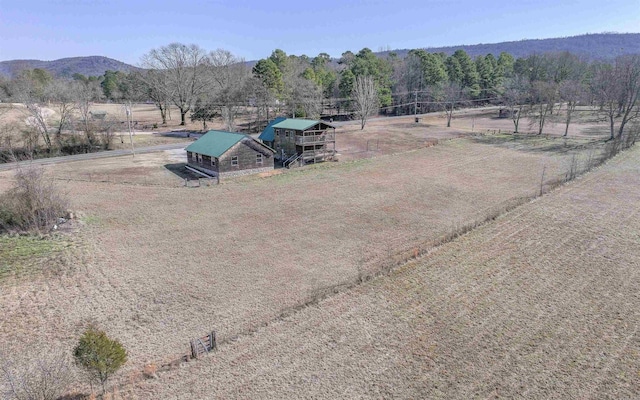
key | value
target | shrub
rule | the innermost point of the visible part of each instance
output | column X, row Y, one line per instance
column 45, row 378
column 33, row 203
column 99, row 355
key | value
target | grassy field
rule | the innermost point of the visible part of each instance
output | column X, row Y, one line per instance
column 160, row 263
column 540, row 303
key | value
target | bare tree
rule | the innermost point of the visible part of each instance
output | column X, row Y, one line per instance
column 27, row 92
column 259, row 96
column 628, row 74
column 184, row 79
column 62, row 95
column 302, row 93
column 85, row 94
column 229, row 75
column 452, row 95
column 45, row 378
column 543, row 96
column 365, row 96
column 616, row 89
column 304, row 96
column 515, row 96
column 154, row 85
column 571, row 92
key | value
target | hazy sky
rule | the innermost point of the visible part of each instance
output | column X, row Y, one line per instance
column 125, row 30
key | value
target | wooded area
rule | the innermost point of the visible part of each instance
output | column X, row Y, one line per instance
column 205, row 86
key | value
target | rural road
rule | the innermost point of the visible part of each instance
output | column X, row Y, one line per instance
column 92, row 156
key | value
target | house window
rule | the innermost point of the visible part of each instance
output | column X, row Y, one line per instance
column 258, row 158
column 234, row 161
column 199, row 158
column 213, row 162
column 286, row 133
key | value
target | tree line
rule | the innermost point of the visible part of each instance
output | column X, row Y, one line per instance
column 208, row 85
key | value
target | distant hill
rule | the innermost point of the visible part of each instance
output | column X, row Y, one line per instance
column 66, row 67
column 597, row 46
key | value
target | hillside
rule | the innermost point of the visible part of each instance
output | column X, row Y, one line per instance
column 596, row 46
column 591, row 46
column 66, row 67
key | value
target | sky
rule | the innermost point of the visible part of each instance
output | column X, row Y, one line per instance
column 127, row 29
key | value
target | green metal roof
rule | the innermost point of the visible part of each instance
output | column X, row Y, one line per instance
column 267, row 133
column 297, row 124
column 215, row 143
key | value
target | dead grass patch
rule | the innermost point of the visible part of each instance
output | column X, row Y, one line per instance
column 540, row 303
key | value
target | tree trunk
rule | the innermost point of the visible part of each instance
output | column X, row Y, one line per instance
column 570, row 108
column 621, row 129
column 47, row 139
column 515, row 117
column 183, row 113
column 611, row 128
column 163, row 112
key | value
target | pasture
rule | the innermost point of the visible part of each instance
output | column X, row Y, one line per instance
column 540, row 303
column 156, row 264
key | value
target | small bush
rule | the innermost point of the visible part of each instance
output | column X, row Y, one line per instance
column 32, row 204
column 99, row 355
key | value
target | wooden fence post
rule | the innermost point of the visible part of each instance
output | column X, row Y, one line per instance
column 194, row 351
column 212, row 341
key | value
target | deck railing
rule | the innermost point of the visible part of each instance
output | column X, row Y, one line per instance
column 313, row 139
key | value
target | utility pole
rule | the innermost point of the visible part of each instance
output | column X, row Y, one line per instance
column 415, row 104
column 129, row 124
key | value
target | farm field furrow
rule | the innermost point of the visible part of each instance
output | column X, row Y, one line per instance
column 541, row 303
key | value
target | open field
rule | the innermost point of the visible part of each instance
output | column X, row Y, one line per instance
column 541, row 303
column 159, row 265
column 383, row 135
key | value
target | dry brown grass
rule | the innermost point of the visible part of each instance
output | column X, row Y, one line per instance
column 143, row 169
column 542, row 303
column 162, row 265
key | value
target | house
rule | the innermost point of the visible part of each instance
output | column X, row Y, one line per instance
column 303, row 140
column 224, row 154
column 267, row 135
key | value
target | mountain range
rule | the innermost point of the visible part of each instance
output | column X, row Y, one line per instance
column 598, row 46
column 66, row 67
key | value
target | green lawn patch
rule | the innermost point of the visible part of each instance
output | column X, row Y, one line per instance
column 27, row 254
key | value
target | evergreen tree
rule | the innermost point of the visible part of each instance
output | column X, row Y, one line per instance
column 99, row 355
column 270, row 75
column 470, row 78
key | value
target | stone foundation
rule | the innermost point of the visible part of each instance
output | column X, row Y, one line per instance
column 244, row 172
